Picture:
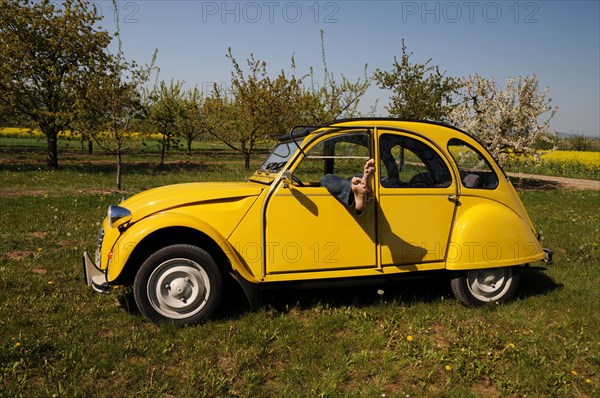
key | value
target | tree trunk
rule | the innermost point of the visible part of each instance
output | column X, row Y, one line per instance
column 119, row 167
column 90, row 147
column 189, row 146
column 52, row 150
column 247, row 160
column 162, row 154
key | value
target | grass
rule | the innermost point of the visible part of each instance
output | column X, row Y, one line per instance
column 59, row 339
column 23, row 167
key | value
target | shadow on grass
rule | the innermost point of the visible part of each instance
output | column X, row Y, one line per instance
column 111, row 168
column 407, row 291
column 126, row 300
column 528, row 184
column 534, row 282
column 286, row 297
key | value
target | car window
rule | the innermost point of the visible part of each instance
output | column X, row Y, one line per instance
column 475, row 172
column 408, row 163
column 278, row 157
column 342, row 155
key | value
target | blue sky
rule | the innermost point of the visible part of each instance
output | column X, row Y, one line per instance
column 559, row 41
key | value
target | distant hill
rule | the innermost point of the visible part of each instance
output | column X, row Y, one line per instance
column 569, row 135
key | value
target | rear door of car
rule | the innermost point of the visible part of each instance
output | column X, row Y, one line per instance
column 417, row 197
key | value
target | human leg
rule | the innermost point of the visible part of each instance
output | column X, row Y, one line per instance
column 362, row 186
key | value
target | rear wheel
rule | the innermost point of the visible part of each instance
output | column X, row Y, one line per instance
column 179, row 284
column 480, row 286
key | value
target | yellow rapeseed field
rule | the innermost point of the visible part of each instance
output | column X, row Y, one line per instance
column 588, row 159
column 576, row 164
column 16, row 132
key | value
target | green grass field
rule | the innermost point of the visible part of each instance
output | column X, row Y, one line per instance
column 59, row 339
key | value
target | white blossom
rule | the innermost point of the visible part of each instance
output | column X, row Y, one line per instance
column 510, row 122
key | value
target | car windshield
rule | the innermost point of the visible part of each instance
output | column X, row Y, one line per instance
column 277, row 159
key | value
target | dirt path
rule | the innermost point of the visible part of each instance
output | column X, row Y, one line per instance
column 570, row 183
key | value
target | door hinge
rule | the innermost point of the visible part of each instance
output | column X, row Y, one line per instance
column 453, row 198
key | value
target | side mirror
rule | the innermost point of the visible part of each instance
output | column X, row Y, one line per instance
column 287, row 178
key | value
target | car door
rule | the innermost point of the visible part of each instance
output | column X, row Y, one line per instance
column 417, row 200
column 308, row 229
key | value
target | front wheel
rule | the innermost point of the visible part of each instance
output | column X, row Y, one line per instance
column 179, row 284
column 480, row 286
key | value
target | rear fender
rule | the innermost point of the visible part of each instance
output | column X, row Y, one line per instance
column 488, row 235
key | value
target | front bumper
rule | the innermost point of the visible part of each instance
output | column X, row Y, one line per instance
column 94, row 276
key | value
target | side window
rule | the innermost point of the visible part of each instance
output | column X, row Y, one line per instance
column 342, row 155
column 409, row 163
column 475, row 172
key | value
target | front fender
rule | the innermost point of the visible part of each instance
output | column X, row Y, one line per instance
column 134, row 235
column 489, row 234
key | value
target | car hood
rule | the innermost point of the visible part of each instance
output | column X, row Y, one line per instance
column 164, row 198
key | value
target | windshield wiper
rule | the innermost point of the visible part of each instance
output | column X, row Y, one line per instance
column 272, row 167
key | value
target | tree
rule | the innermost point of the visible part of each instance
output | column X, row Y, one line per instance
column 110, row 108
column 333, row 100
column 113, row 108
column 190, row 125
column 165, row 111
column 257, row 107
column 420, row 91
column 8, row 118
column 510, row 121
column 48, row 52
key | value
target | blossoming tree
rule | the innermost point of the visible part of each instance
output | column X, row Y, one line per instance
column 510, row 121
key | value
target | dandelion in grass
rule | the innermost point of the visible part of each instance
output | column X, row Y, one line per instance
column 511, row 345
column 588, row 381
column 409, row 338
column 448, row 368
column 17, row 344
column 574, row 372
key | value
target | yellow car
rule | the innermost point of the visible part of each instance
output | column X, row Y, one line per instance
column 438, row 201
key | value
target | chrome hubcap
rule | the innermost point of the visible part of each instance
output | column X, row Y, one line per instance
column 178, row 288
column 489, row 284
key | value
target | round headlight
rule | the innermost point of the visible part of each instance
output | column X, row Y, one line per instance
column 118, row 216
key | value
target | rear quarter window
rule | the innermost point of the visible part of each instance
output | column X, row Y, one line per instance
column 475, row 171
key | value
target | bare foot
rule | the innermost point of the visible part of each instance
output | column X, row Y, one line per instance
column 361, row 186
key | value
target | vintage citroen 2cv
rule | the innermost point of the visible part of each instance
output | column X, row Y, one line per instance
column 439, row 202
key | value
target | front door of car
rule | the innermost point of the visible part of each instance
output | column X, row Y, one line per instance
column 307, row 228
column 416, row 202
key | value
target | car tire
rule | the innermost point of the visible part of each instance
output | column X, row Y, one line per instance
column 482, row 286
column 180, row 284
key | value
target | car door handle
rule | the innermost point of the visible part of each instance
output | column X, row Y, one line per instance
column 453, row 198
